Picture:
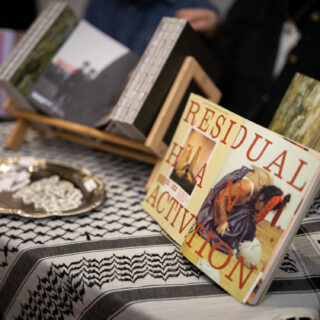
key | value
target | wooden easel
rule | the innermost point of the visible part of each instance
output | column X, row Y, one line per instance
column 154, row 147
column 74, row 132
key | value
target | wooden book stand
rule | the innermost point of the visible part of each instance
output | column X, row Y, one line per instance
column 154, row 146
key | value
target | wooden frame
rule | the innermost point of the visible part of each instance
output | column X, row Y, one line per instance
column 189, row 71
column 149, row 152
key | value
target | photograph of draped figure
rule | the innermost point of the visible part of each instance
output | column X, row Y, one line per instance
column 234, row 207
column 192, row 159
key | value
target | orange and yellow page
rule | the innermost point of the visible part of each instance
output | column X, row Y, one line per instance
column 252, row 201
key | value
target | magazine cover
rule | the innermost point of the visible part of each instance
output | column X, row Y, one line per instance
column 237, row 211
column 85, row 76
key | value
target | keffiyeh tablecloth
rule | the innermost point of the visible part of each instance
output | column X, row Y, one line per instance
column 113, row 263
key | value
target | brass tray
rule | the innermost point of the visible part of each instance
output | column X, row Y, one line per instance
column 39, row 170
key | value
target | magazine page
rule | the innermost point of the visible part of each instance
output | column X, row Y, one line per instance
column 85, row 77
column 251, row 204
column 197, row 151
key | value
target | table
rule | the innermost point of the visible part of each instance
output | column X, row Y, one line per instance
column 113, row 263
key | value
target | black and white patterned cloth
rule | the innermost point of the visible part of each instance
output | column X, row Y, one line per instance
column 113, row 263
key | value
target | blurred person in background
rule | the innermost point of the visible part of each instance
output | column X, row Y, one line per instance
column 133, row 22
column 261, row 45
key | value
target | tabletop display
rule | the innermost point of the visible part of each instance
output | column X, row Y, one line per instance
column 113, row 263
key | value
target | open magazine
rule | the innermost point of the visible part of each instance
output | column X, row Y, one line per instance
column 231, row 194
